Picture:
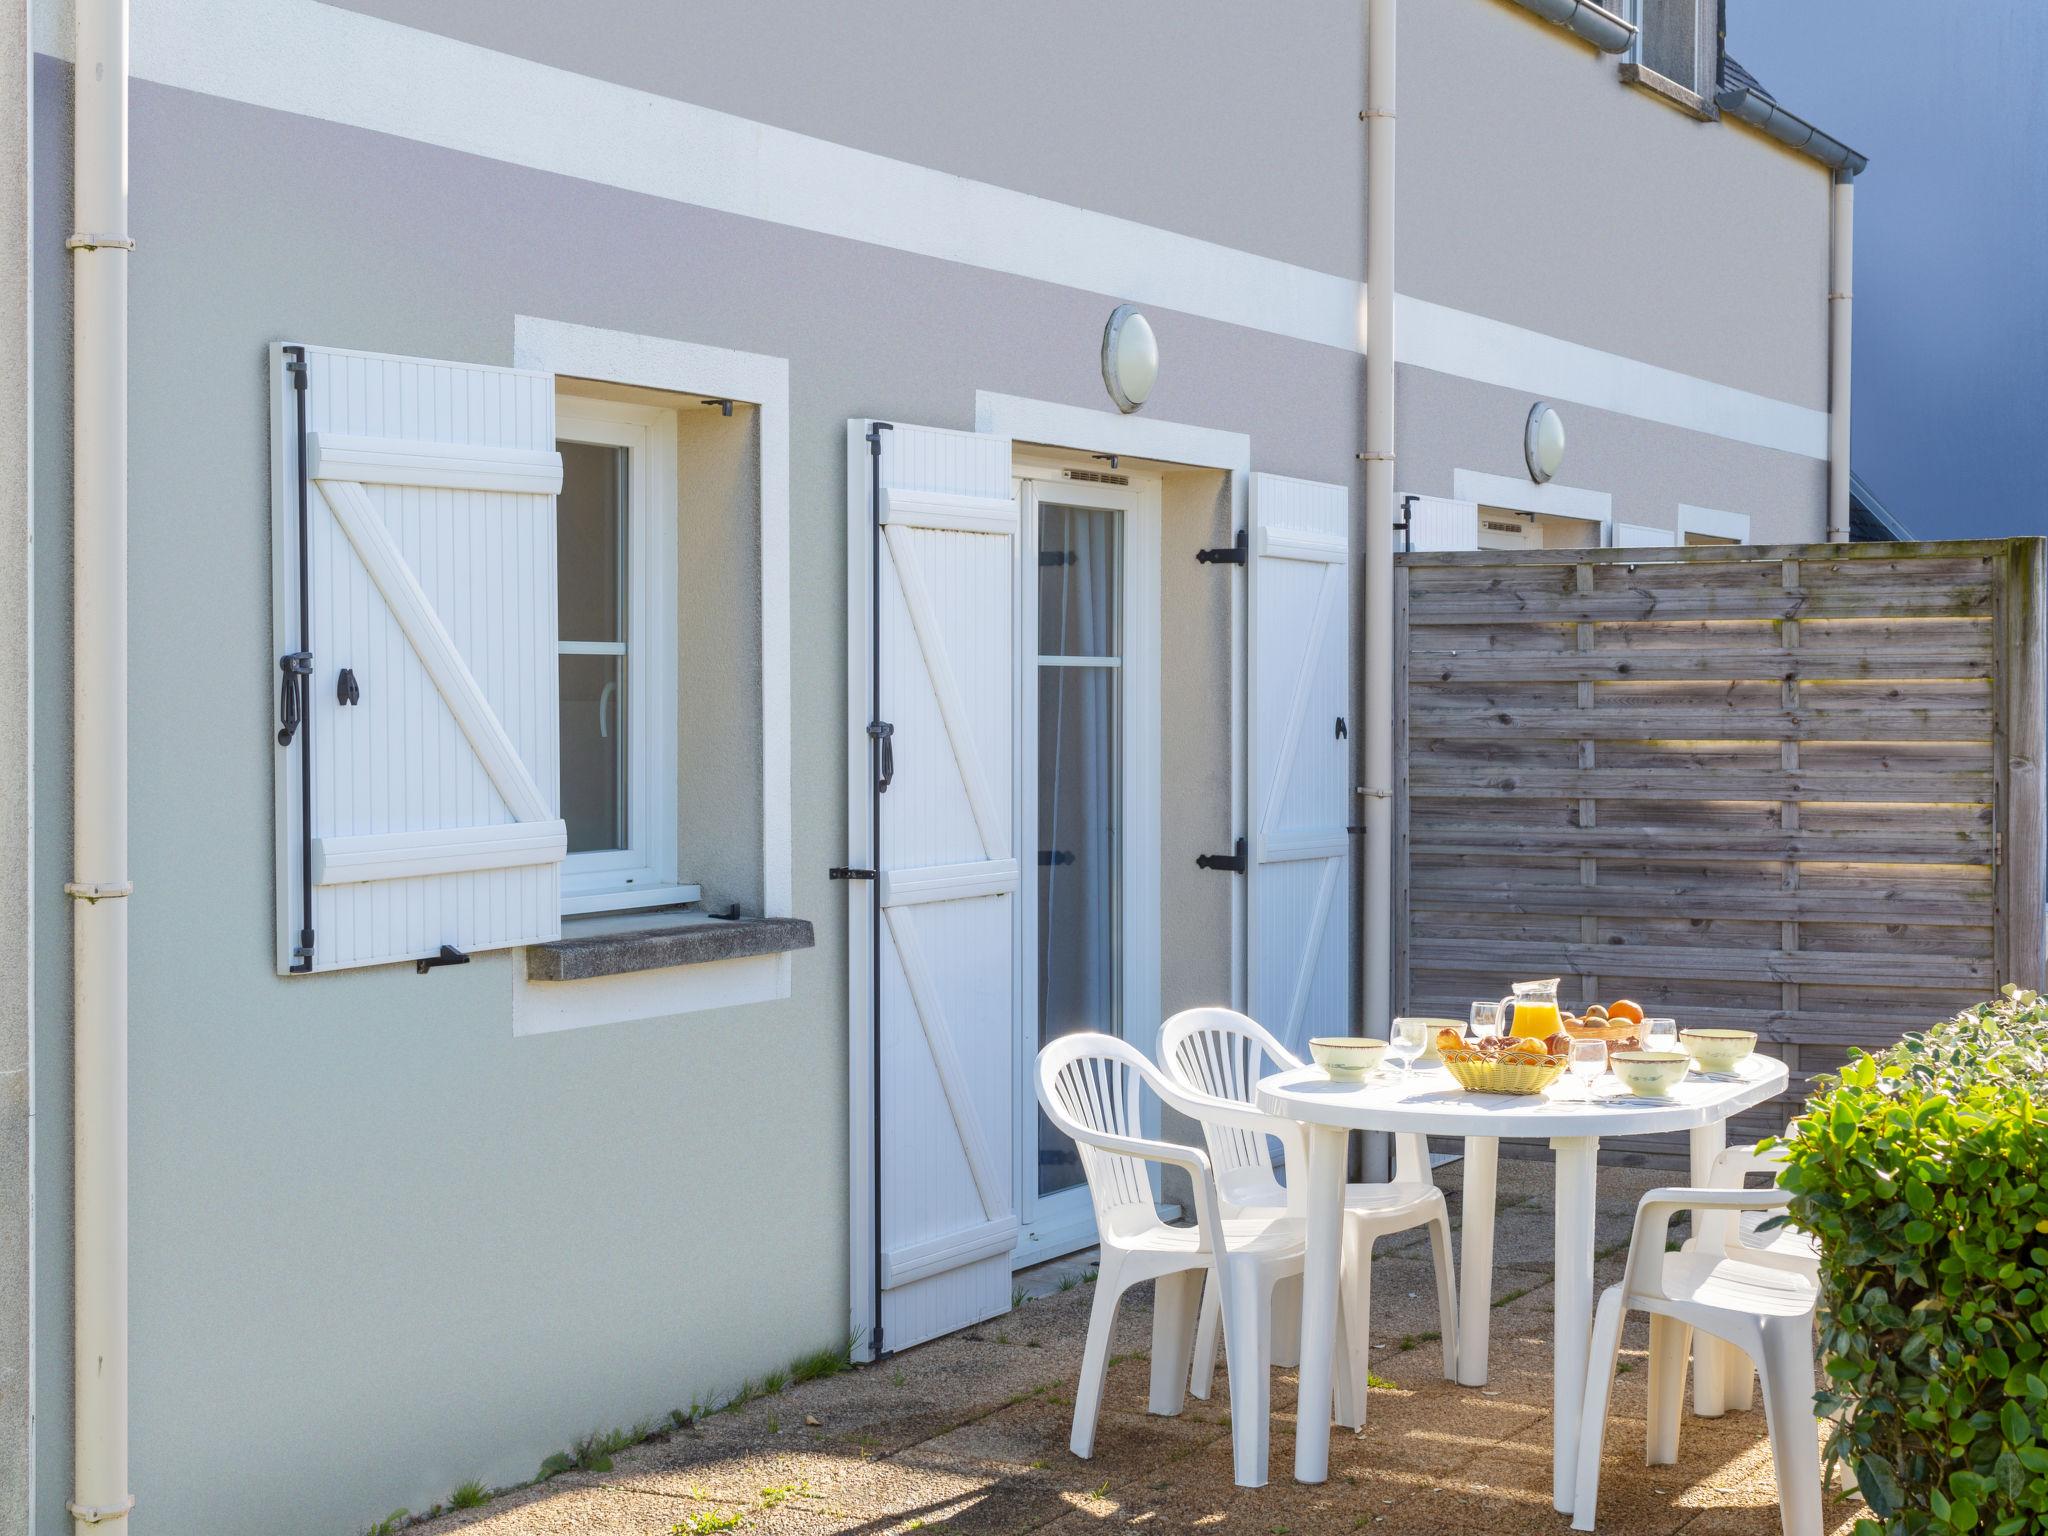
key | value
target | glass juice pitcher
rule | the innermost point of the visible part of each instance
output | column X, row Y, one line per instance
column 1531, row 1013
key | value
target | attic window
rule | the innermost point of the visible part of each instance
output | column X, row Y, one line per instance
column 1676, row 51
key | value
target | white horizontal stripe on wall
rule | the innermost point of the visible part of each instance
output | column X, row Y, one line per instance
column 313, row 60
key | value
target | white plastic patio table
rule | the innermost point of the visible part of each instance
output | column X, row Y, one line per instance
column 1433, row 1104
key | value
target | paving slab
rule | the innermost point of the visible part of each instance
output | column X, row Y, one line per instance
column 969, row 1434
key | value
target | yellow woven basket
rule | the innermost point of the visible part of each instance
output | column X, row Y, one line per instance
column 1478, row 1073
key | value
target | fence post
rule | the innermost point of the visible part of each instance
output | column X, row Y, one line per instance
column 2023, row 848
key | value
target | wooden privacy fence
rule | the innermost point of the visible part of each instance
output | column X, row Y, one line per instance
column 1796, row 790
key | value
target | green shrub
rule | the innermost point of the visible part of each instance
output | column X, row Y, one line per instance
column 1922, row 1172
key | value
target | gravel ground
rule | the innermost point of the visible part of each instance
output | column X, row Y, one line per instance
column 969, row 1434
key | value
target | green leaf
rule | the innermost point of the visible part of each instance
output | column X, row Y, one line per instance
column 2013, row 1420
column 1879, row 1485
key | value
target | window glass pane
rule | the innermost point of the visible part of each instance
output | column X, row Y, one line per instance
column 1079, row 874
column 1670, row 40
column 593, row 752
column 590, row 556
column 1079, row 569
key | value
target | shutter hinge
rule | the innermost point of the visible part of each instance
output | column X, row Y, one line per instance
column 1230, row 863
column 846, row 872
column 1238, row 553
column 449, row 955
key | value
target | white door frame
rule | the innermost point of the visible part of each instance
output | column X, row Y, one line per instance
column 1060, row 1223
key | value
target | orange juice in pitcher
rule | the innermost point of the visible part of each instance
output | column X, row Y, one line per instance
column 1532, row 1010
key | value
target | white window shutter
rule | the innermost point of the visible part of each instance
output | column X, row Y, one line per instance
column 435, row 795
column 947, row 879
column 1299, row 913
column 1437, row 523
column 1638, row 536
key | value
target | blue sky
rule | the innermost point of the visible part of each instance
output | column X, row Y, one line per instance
column 1951, row 104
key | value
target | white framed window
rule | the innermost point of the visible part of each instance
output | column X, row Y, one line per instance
column 1704, row 525
column 1677, row 44
column 616, row 609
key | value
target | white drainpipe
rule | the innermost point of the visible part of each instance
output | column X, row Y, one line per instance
column 1841, row 307
column 99, row 704
column 1376, row 991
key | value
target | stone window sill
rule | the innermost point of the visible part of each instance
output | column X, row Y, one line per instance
column 615, row 944
column 1691, row 103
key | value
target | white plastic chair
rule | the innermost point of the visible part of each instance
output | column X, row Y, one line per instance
column 1764, row 1310
column 1091, row 1087
column 1739, row 1235
column 1217, row 1056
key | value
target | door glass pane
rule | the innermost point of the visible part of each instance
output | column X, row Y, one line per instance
column 593, row 752
column 590, row 590
column 1080, row 836
column 1079, row 580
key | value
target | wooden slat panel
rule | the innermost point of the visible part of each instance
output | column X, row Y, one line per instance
column 1794, row 790
column 1897, row 905
column 1460, row 781
column 1892, row 601
column 1711, row 964
column 1711, row 843
column 1641, row 666
column 1874, row 723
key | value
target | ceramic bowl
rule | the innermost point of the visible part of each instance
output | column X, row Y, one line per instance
column 1652, row 1074
column 1717, row 1050
column 1346, row 1058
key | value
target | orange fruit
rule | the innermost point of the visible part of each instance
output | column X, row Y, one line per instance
column 1633, row 1012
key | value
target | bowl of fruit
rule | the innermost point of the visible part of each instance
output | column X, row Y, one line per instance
column 1618, row 1023
column 1521, row 1066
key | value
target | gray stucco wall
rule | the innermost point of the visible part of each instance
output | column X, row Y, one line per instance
column 17, row 568
column 1073, row 100
column 380, row 1245
column 1536, row 188
column 1447, row 424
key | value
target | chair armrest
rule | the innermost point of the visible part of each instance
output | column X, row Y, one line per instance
column 1193, row 1160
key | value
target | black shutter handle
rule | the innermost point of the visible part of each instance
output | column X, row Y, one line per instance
column 885, row 733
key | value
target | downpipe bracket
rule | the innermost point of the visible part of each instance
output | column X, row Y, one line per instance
column 98, row 890
column 83, row 242
column 100, row 1514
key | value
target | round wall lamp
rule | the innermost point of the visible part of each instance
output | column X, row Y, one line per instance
column 1543, row 441
column 1130, row 358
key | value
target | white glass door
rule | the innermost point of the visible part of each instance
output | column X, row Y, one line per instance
column 1085, row 617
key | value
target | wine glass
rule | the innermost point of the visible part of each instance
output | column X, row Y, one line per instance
column 1588, row 1064
column 1406, row 1041
column 1485, row 1021
column 1660, row 1034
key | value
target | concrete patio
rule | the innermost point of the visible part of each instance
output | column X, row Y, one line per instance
column 969, row 1433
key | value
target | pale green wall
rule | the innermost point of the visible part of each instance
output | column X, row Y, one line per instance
column 380, row 1245
column 17, row 567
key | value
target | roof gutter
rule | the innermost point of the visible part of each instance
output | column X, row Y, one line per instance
column 1795, row 132
column 1597, row 25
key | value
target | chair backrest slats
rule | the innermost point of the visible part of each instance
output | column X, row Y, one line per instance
column 1100, row 1089
column 1221, row 1053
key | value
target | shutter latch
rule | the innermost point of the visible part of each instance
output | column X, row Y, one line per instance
column 1238, row 553
column 1230, row 863
column 449, row 955
column 294, row 701
column 883, row 732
